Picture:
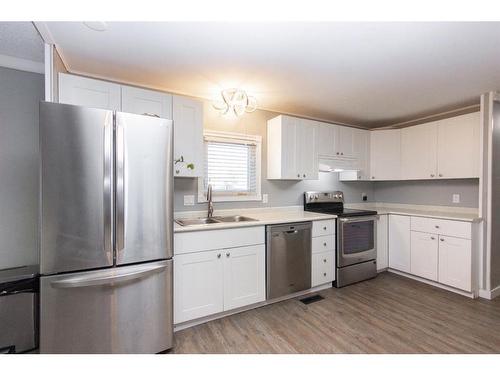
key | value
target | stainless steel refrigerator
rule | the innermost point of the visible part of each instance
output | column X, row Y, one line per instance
column 106, row 231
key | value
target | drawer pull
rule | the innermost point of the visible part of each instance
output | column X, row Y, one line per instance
column 324, row 260
column 324, row 243
column 441, row 239
column 324, row 274
column 228, row 254
column 218, row 255
column 324, row 228
column 436, row 226
column 433, row 238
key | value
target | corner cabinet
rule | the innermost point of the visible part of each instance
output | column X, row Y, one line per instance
column 291, row 149
column 385, row 155
column 188, row 137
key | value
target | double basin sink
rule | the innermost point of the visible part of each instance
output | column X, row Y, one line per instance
column 214, row 220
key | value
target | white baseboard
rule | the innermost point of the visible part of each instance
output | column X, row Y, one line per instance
column 433, row 283
column 205, row 319
column 489, row 294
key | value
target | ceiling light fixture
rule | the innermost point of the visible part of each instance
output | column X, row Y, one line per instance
column 96, row 25
column 235, row 101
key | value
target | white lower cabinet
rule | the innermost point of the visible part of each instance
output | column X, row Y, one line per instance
column 244, row 276
column 198, row 285
column 424, row 247
column 382, row 243
column 322, row 268
column 209, row 282
column 399, row 242
column 455, row 262
column 424, row 255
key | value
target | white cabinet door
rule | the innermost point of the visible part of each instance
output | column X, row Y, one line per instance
column 382, row 248
column 244, row 276
column 344, row 146
column 198, row 285
column 399, row 242
column 385, row 154
column 146, row 102
column 188, row 136
column 455, row 262
column 458, row 146
column 419, row 152
column 306, row 150
column 89, row 92
column 361, row 152
column 326, row 136
column 424, row 255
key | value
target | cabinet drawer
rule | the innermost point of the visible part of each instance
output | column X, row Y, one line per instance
column 323, row 243
column 323, row 227
column 190, row 242
column 322, row 268
column 438, row 226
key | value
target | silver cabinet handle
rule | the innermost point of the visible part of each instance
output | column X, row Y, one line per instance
column 218, row 255
column 341, row 153
column 324, row 274
column 227, row 255
column 338, row 153
column 324, row 260
column 109, row 278
column 436, row 226
column 432, row 175
column 324, row 243
column 150, row 114
column 433, row 238
column 440, row 175
column 373, row 177
column 324, row 228
column 441, row 239
column 304, row 175
column 177, row 171
column 298, row 175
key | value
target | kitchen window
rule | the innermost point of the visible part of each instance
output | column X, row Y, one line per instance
column 232, row 167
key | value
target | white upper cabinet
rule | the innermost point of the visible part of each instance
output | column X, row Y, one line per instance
column 344, row 142
column 146, row 102
column 458, row 146
column 89, row 92
column 385, row 154
column 419, row 152
column 326, row 137
column 291, row 149
column 188, row 137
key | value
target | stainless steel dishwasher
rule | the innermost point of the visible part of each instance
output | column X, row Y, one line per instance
column 288, row 263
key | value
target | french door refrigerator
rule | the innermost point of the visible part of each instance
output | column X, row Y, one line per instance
column 105, row 231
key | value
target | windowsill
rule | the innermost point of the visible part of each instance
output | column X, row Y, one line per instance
column 235, row 198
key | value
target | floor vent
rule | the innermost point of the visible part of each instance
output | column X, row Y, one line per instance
column 311, row 299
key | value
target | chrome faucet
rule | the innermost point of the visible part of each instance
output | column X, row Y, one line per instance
column 209, row 200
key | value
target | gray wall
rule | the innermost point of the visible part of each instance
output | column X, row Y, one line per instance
column 281, row 193
column 428, row 192
column 20, row 93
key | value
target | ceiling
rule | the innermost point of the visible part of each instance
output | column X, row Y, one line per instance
column 367, row 74
column 21, row 40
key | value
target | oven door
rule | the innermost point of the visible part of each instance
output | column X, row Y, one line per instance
column 356, row 240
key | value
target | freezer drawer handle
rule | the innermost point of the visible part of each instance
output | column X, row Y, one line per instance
column 78, row 282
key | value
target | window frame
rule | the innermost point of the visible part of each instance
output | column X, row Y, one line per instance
column 237, row 138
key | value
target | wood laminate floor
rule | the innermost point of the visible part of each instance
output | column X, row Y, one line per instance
column 389, row 314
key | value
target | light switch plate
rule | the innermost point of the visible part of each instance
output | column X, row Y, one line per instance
column 265, row 198
column 189, row 200
column 456, row 198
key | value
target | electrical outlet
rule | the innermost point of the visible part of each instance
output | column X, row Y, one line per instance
column 456, row 198
column 189, row 200
column 364, row 197
column 265, row 198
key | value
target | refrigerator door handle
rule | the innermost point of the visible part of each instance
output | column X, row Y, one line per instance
column 108, row 185
column 110, row 278
column 120, row 186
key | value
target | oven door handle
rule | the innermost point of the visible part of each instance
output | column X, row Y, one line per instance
column 358, row 218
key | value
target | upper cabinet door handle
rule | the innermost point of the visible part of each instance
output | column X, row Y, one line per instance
column 150, row 114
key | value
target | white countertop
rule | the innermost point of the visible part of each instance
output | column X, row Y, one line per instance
column 435, row 212
column 264, row 216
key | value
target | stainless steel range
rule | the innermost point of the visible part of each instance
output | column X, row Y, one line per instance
column 356, row 245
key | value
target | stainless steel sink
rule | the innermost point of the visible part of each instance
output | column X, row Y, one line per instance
column 214, row 220
column 196, row 221
column 233, row 219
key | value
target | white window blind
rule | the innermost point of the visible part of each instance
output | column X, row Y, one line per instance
column 232, row 166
